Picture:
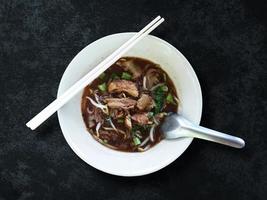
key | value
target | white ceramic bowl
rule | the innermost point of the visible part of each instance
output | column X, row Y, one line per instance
column 123, row 163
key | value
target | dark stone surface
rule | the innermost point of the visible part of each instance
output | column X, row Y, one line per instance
column 226, row 43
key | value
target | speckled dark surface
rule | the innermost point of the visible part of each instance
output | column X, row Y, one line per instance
column 226, row 43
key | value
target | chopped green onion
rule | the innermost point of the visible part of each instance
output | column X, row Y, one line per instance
column 120, row 120
column 102, row 76
column 170, row 99
column 103, row 87
column 136, row 141
column 164, row 88
column 150, row 114
column 114, row 76
column 126, row 76
column 105, row 141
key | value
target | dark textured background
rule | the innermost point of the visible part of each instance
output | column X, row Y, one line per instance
column 226, row 43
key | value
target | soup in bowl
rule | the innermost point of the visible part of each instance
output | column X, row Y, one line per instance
column 124, row 107
column 114, row 124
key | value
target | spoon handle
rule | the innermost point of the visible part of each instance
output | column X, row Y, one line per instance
column 215, row 136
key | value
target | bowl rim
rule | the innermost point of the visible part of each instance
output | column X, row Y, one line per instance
column 151, row 170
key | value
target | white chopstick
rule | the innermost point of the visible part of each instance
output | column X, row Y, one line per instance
column 93, row 74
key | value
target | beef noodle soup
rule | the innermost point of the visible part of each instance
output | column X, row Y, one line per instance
column 124, row 107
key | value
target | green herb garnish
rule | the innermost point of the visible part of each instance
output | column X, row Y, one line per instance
column 164, row 88
column 114, row 76
column 136, row 141
column 142, row 129
column 103, row 87
column 126, row 76
column 159, row 97
column 170, row 99
column 102, row 76
column 150, row 114
column 120, row 121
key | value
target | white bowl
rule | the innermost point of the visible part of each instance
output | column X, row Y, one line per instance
column 123, row 163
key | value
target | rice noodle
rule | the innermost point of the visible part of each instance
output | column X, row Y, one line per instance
column 108, row 128
column 121, row 131
column 155, row 121
column 156, row 86
column 151, row 133
column 104, row 108
column 164, row 113
column 164, row 77
column 117, row 130
column 97, row 99
column 143, row 149
column 112, row 125
column 176, row 99
column 137, row 133
column 90, row 91
column 97, row 128
column 89, row 111
column 112, row 129
column 144, row 142
column 144, row 83
column 121, row 59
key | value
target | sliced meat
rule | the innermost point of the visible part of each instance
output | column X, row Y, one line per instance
column 121, row 103
column 110, row 136
column 91, row 118
column 141, row 118
column 129, row 65
column 152, row 77
column 91, row 124
column 98, row 115
column 145, row 102
column 128, row 122
column 118, row 86
column 116, row 113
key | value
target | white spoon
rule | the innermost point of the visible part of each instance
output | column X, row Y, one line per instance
column 175, row 126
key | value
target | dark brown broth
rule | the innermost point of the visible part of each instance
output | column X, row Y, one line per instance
column 119, row 142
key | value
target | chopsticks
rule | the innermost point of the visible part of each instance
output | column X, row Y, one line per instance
column 93, row 74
